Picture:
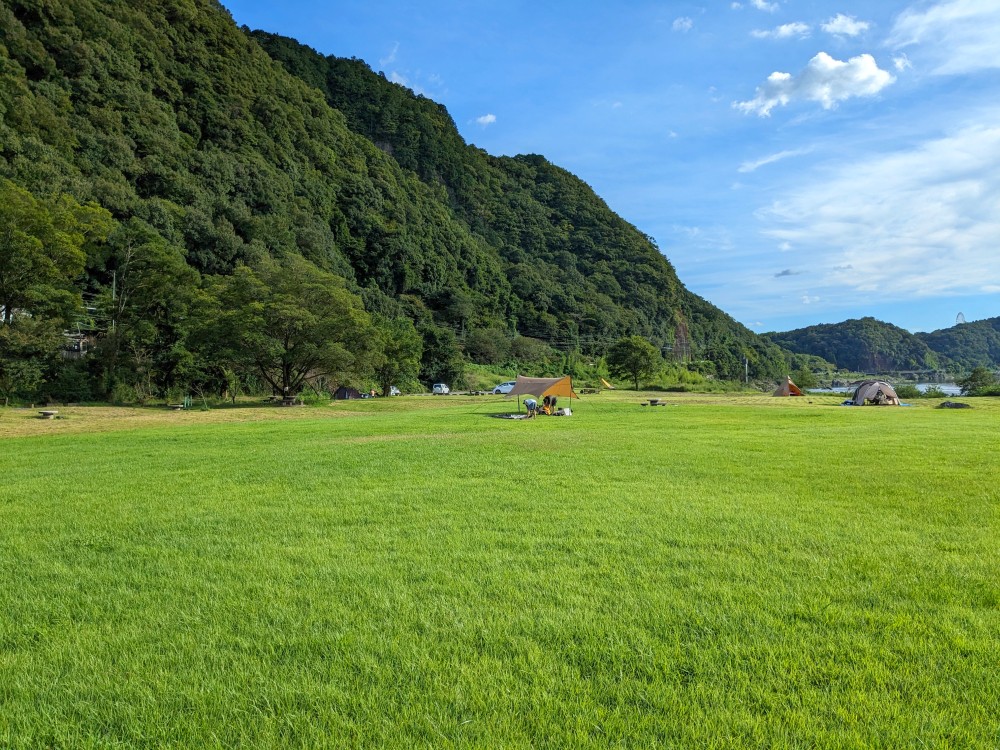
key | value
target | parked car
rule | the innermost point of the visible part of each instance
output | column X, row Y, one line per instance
column 394, row 391
column 504, row 387
column 440, row 389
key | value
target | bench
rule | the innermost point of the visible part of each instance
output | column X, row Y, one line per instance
column 175, row 407
column 47, row 414
column 653, row 402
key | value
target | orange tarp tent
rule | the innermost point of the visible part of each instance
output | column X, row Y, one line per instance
column 542, row 387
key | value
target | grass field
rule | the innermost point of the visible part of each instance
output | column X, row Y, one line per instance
column 729, row 571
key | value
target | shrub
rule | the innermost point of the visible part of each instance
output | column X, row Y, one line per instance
column 908, row 390
column 978, row 383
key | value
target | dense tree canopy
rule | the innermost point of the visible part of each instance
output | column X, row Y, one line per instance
column 969, row 345
column 862, row 345
column 634, row 358
column 291, row 323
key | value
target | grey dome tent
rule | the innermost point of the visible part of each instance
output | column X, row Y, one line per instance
column 874, row 393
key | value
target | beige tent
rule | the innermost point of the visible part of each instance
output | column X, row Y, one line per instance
column 788, row 388
column 542, row 387
column 874, row 393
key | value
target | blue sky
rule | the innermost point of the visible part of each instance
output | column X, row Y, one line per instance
column 798, row 162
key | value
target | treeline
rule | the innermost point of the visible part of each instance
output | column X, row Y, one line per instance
column 862, row 345
column 968, row 345
column 156, row 328
column 870, row 345
column 156, row 158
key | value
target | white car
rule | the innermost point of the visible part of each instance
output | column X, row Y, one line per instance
column 440, row 389
column 394, row 391
column 505, row 387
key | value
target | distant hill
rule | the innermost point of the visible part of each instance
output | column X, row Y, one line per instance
column 862, row 345
column 968, row 344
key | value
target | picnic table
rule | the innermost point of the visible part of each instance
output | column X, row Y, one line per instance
column 47, row 414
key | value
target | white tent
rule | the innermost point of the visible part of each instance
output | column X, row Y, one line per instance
column 874, row 393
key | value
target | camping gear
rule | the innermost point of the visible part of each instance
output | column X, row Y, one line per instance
column 346, row 392
column 788, row 388
column 874, row 393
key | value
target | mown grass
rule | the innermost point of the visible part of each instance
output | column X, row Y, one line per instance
column 726, row 571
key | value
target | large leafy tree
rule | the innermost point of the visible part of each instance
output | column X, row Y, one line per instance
column 144, row 307
column 398, row 362
column 27, row 347
column 635, row 358
column 43, row 250
column 441, row 361
column 290, row 323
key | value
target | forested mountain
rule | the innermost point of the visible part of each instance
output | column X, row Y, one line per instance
column 195, row 152
column 969, row 345
column 862, row 345
column 578, row 272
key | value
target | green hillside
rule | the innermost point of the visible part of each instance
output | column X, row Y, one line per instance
column 968, row 344
column 197, row 153
column 575, row 267
column 862, row 345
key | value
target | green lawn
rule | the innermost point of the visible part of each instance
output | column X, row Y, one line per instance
column 723, row 572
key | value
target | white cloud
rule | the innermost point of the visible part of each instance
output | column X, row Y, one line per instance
column 764, row 5
column 842, row 25
column 736, row 6
column 397, row 77
column 683, row 24
column 916, row 223
column 824, row 80
column 785, row 31
column 956, row 36
column 751, row 166
column 486, row 120
column 901, row 62
column 809, row 299
column 390, row 58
